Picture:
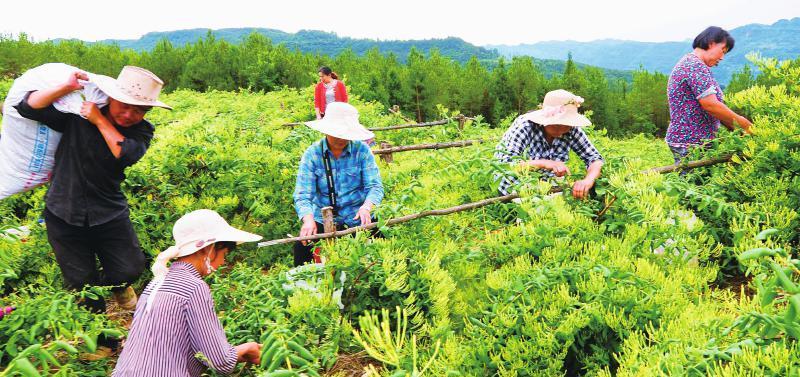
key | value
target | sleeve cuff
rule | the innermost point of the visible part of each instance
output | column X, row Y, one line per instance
column 230, row 362
column 304, row 211
column 374, row 200
column 711, row 90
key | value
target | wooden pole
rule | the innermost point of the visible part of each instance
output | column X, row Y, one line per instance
column 417, row 147
column 327, row 219
column 690, row 165
column 397, row 220
column 479, row 204
column 386, row 157
column 412, row 125
column 461, row 121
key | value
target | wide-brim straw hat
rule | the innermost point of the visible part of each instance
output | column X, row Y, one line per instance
column 204, row 227
column 134, row 86
column 341, row 121
column 559, row 107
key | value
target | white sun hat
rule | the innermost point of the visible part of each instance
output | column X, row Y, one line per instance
column 559, row 107
column 134, row 86
column 192, row 232
column 341, row 120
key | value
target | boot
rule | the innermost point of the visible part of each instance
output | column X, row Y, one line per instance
column 126, row 298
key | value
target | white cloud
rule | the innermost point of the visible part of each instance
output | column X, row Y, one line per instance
column 484, row 22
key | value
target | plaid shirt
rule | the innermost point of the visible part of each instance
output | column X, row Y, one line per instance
column 356, row 179
column 526, row 140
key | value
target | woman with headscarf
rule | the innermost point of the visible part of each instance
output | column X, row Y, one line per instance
column 175, row 331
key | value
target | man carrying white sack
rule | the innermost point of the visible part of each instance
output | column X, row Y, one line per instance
column 27, row 147
column 86, row 213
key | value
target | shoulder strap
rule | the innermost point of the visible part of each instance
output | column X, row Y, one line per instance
column 326, row 161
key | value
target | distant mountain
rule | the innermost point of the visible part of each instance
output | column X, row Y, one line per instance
column 779, row 40
column 314, row 41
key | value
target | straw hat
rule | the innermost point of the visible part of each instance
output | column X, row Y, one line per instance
column 134, row 86
column 203, row 227
column 559, row 107
column 192, row 232
column 341, row 120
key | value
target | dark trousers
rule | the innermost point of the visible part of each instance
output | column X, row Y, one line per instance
column 304, row 253
column 77, row 249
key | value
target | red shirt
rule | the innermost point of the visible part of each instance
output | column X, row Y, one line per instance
column 339, row 91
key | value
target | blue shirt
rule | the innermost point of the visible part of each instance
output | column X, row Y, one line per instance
column 356, row 179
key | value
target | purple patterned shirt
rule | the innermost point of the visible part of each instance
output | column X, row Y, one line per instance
column 691, row 80
column 181, row 324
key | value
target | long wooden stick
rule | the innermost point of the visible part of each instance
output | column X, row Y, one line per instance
column 417, row 147
column 412, row 125
column 690, row 165
column 481, row 203
column 397, row 220
column 399, row 126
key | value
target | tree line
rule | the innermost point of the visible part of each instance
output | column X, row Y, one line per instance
column 498, row 90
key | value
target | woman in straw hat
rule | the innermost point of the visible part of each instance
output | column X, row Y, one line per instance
column 175, row 321
column 337, row 171
column 542, row 140
column 86, row 213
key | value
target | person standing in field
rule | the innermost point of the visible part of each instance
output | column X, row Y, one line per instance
column 542, row 139
column 329, row 90
column 175, row 331
column 696, row 106
column 86, row 213
column 338, row 171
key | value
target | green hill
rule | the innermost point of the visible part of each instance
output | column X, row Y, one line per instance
column 778, row 40
column 314, row 41
column 325, row 43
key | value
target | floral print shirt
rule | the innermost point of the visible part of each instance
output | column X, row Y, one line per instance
column 690, row 124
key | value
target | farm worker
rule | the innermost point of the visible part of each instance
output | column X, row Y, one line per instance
column 87, row 215
column 542, row 140
column 695, row 98
column 328, row 90
column 337, row 171
column 175, row 320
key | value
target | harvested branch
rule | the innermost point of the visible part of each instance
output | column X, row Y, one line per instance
column 417, row 147
column 293, row 124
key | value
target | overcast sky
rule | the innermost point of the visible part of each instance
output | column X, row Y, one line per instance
column 481, row 23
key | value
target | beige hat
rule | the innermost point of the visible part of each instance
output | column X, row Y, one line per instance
column 200, row 228
column 134, row 86
column 192, row 232
column 559, row 107
column 341, row 120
